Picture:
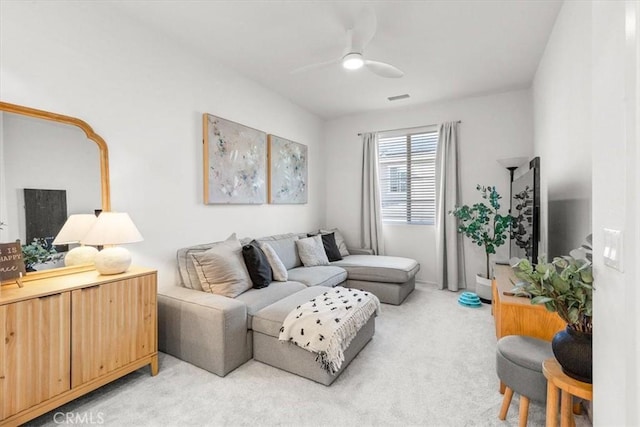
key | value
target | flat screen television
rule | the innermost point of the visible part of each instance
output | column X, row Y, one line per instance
column 525, row 206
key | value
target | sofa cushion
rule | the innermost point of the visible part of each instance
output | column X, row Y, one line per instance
column 285, row 247
column 311, row 251
column 257, row 265
column 269, row 320
column 319, row 276
column 277, row 267
column 221, row 269
column 377, row 268
column 257, row 299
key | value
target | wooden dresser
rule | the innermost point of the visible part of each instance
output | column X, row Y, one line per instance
column 516, row 315
column 62, row 337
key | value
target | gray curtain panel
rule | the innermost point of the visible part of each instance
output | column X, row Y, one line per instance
column 371, row 212
column 449, row 244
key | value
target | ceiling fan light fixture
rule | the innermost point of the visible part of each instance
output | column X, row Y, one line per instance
column 352, row 61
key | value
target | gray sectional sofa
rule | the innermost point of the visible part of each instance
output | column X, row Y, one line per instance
column 216, row 333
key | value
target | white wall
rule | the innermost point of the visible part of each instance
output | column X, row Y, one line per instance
column 586, row 125
column 50, row 156
column 562, row 117
column 145, row 95
column 493, row 127
column 615, row 205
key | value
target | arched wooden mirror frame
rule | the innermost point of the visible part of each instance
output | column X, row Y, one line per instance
column 104, row 171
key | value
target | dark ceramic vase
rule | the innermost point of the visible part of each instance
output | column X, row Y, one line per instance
column 573, row 350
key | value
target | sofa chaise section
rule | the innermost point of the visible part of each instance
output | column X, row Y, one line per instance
column 390, row 278
column 268, row 349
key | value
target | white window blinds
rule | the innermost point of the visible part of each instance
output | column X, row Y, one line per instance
column 407, row 176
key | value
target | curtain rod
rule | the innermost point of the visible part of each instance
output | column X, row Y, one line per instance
column 414, row 127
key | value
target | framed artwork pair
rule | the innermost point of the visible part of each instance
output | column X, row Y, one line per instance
column 243, row 165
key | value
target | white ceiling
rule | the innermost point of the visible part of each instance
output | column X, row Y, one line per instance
column 447, row 49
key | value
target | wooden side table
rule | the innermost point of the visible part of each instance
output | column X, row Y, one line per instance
column 556, row 381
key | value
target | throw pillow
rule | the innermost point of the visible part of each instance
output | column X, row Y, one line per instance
column 278, row 269
column 257, row 265
column 311, row 251
column 330, row 246
column 186, row 268
column 342, row 245
column 221, row 269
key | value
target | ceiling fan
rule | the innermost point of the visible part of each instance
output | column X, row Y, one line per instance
column 353, row 57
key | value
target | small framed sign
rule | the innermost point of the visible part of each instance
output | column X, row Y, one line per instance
column 11, row 264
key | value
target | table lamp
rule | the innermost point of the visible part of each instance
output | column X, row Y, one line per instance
column 73, row 231
column 110, row 229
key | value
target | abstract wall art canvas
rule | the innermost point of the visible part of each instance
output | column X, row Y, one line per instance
column 288, row 171
column 235, row 162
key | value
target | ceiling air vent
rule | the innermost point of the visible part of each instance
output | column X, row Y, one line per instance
column 398, row 97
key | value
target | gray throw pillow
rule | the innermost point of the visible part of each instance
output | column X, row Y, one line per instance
column 311, row 251
column 221, row 269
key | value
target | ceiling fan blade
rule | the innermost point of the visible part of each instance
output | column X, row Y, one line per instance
column 316, row 66
column 383, row 69
column 364, row 29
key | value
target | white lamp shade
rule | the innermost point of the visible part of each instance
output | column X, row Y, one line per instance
column 75, row 229
column 112, row 228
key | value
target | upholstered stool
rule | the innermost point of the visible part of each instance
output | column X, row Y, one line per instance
column 519, row 366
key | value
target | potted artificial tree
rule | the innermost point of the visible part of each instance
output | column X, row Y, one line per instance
column 564, row 286
column 486, row 227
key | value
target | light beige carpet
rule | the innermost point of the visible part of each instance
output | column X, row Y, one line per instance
column 431, row 362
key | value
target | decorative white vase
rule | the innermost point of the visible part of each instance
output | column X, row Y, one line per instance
column 113, row 260
column 80, row 255
column 483, row 288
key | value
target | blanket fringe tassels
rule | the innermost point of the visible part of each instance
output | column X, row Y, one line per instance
column 332, row 359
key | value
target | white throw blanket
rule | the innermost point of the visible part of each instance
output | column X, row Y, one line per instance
column 327, row 324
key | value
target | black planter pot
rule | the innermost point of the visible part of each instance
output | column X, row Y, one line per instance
column 573, row 350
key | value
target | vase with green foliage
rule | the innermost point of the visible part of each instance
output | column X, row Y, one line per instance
column 38, row 252
column 483, row 223
column 564, row 286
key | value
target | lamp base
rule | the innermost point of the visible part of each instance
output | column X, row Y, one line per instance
column 113, row 260
column 80, row 255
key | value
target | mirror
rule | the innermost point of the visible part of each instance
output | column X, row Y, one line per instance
column 47, row 151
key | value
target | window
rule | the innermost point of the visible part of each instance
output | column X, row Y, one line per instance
column 397, row 179
column 407, row 176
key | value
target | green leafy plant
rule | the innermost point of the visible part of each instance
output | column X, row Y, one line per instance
column 483, row 223
column 564, row 285
column 38, row 252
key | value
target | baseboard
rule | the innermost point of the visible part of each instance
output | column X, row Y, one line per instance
column 426, row 282
column 430, row 283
